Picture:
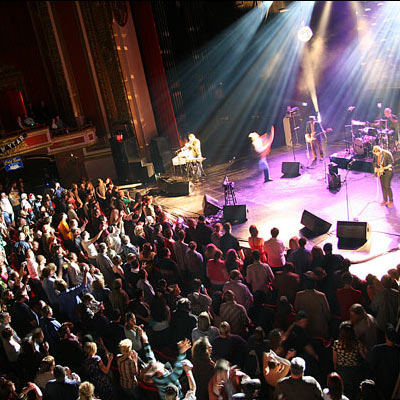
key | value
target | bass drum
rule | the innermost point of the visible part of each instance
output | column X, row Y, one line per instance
column 358, row 147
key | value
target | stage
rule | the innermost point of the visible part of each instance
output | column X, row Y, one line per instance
column 281, row 203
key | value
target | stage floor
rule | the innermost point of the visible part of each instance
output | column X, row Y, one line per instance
column 281, row 203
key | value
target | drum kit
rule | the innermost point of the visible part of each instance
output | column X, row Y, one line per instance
column 366, row 135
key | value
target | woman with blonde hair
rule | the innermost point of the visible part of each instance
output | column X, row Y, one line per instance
column 127, row 362
column 204, row 328
column 86, row 391
column 97, row 372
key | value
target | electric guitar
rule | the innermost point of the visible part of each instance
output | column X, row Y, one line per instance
column 310, row 137
column 381, row 170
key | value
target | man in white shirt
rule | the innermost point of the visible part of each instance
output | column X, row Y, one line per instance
column 88, row 245
column 259, row 275
column 275, row 250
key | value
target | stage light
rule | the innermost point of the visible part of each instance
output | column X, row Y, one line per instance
column 119, row 138
column 304, row 104
column 304, row 34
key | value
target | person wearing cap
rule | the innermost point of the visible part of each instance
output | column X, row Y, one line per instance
column 385, row 362
column 297, row 386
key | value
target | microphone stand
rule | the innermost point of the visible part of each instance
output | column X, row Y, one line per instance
column 347, row 192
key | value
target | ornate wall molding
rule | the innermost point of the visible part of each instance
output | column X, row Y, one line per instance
column 50, row 53
column 97, row 17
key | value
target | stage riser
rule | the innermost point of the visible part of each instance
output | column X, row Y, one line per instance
column 362, row 165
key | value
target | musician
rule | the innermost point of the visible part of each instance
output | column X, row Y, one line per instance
column 391, row 118
column 194, row 146
column 314, row 133
column 383, row 163
column 262, row 145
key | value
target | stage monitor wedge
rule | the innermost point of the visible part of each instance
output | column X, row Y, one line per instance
column 210, row 205
column 235, row 214
column 313, row 225
column 352, row 234
column 291, row 169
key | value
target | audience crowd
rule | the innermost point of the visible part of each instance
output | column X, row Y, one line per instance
column 107, row 296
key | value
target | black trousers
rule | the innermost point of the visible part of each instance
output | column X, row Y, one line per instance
column 386, row 179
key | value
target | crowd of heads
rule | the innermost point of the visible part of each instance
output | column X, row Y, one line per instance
column 107, row 292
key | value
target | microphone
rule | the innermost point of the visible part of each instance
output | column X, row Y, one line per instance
column 351, row 163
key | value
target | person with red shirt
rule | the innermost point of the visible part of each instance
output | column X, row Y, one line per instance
column 347, row 296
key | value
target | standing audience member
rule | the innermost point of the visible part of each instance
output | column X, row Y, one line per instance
column 275, row 250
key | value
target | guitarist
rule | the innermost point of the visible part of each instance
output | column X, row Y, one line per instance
column 384, row 162
column 314, row 133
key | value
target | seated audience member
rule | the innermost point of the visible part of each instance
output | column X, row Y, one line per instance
column 229, row 346
column 20, row 123
column 28, row 121
column 259, row 275
column 297, row 386
column 275, row 250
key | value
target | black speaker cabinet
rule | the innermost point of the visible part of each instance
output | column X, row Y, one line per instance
column 235, row 214
column 173, row 187
column 291, row 169
column 352, row 234
column 210, row 205
column 313, row 225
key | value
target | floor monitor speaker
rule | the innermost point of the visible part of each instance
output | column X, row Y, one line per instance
column 313, row 225
column 210, row 205
column 291, row 169
column 172, row 187
column 352, row 234
column 235, row 214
